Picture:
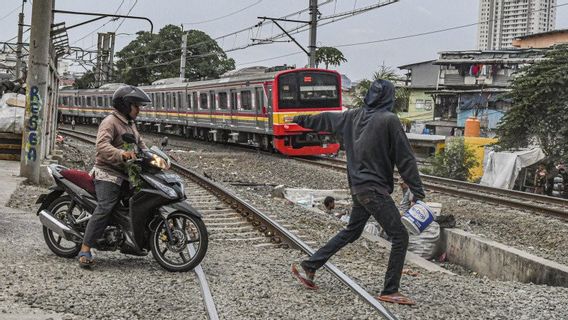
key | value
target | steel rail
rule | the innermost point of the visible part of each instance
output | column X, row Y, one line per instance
column 512, row 198
column 268, row 226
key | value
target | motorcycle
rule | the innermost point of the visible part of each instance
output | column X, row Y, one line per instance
column 153, row 216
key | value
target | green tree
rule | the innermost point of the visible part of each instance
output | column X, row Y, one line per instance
column 385, row 73
column 87, row 81
column 455, row 161
column 154, row 56
column 539, row 113
column 329, row 56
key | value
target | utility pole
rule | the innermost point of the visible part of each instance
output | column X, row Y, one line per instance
column 20, row 44
column 313, row 32
column 33, row 136
column 183, row 56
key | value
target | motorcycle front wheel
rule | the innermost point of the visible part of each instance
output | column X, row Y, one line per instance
column 187, row 245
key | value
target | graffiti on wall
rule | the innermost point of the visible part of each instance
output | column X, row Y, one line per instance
column 35, row 105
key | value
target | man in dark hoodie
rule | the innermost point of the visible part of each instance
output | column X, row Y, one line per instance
column 374, row 142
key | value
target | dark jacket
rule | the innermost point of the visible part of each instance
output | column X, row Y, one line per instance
column 374, row 142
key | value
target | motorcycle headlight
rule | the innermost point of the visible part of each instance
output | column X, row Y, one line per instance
column 159, row 162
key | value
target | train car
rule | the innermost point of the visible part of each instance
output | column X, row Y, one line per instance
column 254, row 106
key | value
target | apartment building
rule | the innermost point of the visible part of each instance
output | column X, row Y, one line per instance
column 501, row 21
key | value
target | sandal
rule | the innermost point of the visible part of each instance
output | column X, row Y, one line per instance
column 86, row 259
column 305, row 279
column 396, row 298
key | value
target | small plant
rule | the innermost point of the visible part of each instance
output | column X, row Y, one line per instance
column 455, row 162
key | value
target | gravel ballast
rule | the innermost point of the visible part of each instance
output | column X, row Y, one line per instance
column 439, row 296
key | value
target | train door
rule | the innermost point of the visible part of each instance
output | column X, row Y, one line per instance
column 269, row 108
column 194, row 106
column 259, row 107
column 234, row 108
column 212, row 107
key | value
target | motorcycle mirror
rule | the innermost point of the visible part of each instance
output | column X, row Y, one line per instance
column 128, row 137
column 164, row 142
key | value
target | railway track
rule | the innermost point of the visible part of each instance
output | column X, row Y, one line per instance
column 229, row 218
column 551, row 206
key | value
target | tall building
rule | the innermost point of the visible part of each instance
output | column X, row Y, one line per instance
column 503, row 20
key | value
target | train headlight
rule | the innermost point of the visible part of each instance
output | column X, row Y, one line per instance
column 288, row 119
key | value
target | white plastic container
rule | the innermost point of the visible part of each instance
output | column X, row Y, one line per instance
column 417, row 218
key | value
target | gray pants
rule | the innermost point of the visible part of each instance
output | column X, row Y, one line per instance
column 108, row 195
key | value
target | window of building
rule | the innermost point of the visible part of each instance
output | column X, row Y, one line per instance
column 203, row 101
column 246, row 100
column 223, row 100
column 428, row 105
column 419, row 104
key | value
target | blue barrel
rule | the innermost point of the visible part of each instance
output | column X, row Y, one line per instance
column 417, row 218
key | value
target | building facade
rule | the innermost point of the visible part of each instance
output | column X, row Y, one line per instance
column 475, row 83
column 423, row 77
column 542, row 40
column 501, row 21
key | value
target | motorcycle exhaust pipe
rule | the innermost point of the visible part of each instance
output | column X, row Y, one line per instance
column 59, row 227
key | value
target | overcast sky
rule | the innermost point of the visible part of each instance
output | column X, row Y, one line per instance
column 403, row 18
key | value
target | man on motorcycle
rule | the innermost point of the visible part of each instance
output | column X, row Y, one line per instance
column 108, row 172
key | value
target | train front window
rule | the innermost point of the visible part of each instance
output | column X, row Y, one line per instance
column 308, row 89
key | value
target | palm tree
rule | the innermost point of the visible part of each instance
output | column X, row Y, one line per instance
column 329, row 56
column 384, row 73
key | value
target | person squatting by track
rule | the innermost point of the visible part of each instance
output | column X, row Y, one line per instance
column 375, row 142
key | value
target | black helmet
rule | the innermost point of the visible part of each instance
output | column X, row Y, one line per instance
column 125, row 96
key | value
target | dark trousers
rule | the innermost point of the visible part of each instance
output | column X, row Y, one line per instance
column 108, row 195
column 383, row 208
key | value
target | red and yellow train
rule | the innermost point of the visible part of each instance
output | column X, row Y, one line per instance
column 254, row 106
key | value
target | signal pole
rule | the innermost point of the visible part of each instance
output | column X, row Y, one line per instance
column 33, row 136
column 20, row 39
column 183, row 57
column 313, row 32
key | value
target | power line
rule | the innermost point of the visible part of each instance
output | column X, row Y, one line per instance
column 225, row 16
column 104, row 24
column 9, row 13
column 121, row 22
column 396, row 38
column 429, row 32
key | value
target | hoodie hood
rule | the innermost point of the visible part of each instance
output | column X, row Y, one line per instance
column 380, row 96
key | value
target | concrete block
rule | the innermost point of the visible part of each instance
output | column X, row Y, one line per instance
column 498, row 261
column 45, row 178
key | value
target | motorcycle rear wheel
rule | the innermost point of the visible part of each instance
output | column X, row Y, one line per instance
column 188, row 247
column 56, row 243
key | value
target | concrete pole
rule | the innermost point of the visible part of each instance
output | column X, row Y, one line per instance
column 313, row 32
column 20, row 44
column 183, row 57
column 37, row 85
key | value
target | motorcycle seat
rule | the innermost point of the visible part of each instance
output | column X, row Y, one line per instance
column 81, row 178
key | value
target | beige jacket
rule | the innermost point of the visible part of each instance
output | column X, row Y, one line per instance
column 109, row 147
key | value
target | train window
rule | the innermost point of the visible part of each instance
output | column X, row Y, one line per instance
column 194, row 100
column 100, row 101
column 212, row 99
column 234, row 100
column 259, row 98
column 223, row 100
column 162, row 100
column 179, row 100
column 246, row 100
column 83, row 102
column 269, row 96
column 308, row 89
column 203, row 101
column 89, row 101
column 77, row 101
